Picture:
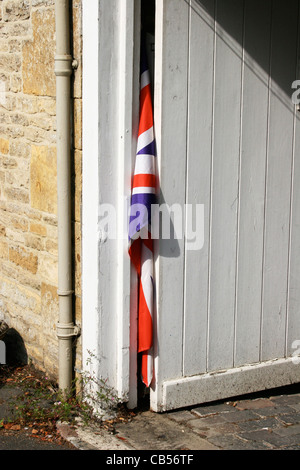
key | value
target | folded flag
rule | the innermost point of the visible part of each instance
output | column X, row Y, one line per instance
column 143, row 195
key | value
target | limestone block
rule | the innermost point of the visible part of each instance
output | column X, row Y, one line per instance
column 47, row 105
column 39, row 229
column 12, row 130
column 42, row 121
column 3, row 249
column 28, row 104
column 24, row 278
column 35, row 353
column 15, row 83
column 14, row 45
column 35, row 242
column 78, row 124
column 19, row 118
column 38, row 55
column 8, row 163
column 15, row 29
column 43, row 178
column 16, row 10
column 4, row 86
column 10, row 62
column 77, row 257
column 19, row 223
column 17, row 194
column 42, row 3
column 78, row 310
column 48, row 268
column 23, row 258
column 49, row 308
column 18, row 178
column 51, row 246
column 21, row 296
column 15, row 236
column 77, row 185
column 50, row 357
column 2, row 229
column 4, row 146
column 18, row 148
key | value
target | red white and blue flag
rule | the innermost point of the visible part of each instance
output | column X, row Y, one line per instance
column 140, row 242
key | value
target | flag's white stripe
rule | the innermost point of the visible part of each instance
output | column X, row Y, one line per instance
column 144, row 165
column 145, row 79
column 145, row 139
column 148, row 356
column 147, row 276
column 150, row 366
column 143, row 189
column 149, row 359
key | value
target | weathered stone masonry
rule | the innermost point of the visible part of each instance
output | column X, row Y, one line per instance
column 28, row 195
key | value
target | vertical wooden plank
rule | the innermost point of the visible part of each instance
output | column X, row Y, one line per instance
column 201, row 80
column 293, row 325
column 133, row 370
column 284, row 46
column 90, row 238
column 108, row 171
column 293, row 306
column 127, row 114
column 170, row 118
column 225, row 173
column 252, row 179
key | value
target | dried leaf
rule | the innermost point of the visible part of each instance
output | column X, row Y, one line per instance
column 15, row 427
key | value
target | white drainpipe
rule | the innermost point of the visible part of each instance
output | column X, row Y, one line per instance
column 66, row 330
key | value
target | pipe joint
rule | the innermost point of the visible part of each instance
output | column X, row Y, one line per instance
column 63, row 65
column 64, row 293
column 67, row 330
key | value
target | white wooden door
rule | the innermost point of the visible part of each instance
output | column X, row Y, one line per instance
column 228, row 314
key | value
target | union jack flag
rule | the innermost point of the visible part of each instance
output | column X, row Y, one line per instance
column 140, row 242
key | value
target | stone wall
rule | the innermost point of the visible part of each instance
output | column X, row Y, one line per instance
column 28, row 195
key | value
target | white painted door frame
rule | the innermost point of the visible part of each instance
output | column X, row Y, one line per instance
column 110, row 120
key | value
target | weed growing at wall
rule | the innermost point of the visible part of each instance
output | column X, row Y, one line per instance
column 34, row 402
column 101, row 397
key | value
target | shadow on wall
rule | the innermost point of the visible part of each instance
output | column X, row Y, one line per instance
column 15, row 351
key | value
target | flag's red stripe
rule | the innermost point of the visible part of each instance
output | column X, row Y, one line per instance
column 144, row 369
column 146, row 113
column 145, row 323
column 135, row 255
column 144, row 180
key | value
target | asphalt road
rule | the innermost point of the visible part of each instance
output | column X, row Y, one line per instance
column 21, row 440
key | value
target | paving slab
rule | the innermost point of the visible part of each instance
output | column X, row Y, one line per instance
column 151, row 431
column 250, row 423
column 271, row 439
column 254, row 404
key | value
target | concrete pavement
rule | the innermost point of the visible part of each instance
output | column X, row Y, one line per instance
column 257, row 422
column 269, row 420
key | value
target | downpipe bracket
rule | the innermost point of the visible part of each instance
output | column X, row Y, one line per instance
column 63, row 65
column 67, row 330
